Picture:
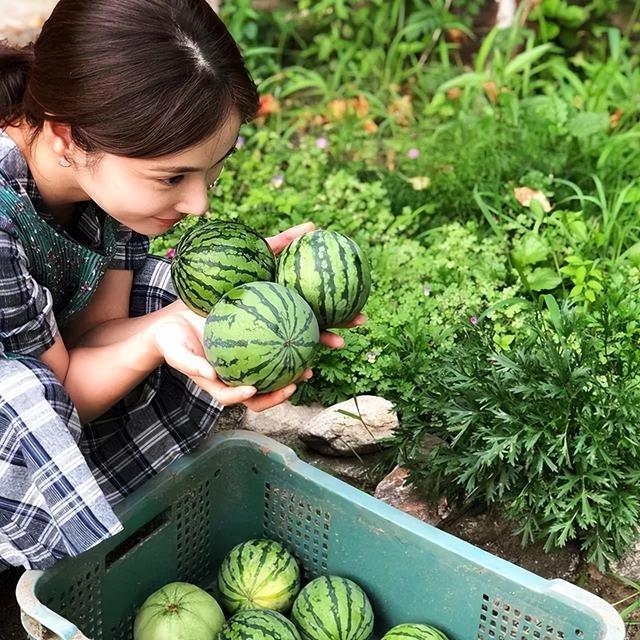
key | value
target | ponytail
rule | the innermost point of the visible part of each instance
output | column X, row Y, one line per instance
column 15, row 65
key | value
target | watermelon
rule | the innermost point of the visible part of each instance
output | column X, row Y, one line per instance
column 333, row 608
column 178, row 611
column 258, row 624
column 258, row 574
column 217, row 256
column 410, row 631
column 260, row 334
column 330, row 272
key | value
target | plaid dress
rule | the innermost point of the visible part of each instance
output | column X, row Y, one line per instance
column 59, row 479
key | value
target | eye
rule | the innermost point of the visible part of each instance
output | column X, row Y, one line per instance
column 173, row 181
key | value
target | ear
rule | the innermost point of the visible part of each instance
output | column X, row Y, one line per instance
column 58, row 136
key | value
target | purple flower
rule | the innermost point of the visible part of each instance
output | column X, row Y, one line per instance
column 426, row 290
column 473, row 320
column 413, row 153
column 277, row 181
column 240, row 142
column 322, row 143
column 171, row 253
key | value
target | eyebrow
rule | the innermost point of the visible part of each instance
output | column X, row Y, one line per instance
column 193, row 169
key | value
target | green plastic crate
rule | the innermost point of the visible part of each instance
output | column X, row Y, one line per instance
column 242, row 485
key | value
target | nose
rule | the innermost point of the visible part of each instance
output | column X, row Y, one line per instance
column 194, row 200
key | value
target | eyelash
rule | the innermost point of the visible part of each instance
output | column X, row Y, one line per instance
column 169, row 181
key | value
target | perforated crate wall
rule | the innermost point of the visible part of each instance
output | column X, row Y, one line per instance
column 302, row 528
column 499, row 620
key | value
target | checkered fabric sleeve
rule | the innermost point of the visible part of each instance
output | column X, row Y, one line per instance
column 27, row 323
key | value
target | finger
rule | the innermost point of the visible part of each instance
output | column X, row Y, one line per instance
column 358, row 321
column 268, row 400
column 279, row 242
column 331, row 340
column 224, row 394
column 191, row 364
column 307, row 374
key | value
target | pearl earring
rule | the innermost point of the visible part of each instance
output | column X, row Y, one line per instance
column 63, row 162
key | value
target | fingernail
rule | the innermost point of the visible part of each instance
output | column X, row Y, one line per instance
column 289, row 391
column 247, row 393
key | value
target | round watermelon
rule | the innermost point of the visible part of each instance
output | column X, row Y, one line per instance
column 216, row 256
column 333, row 608
column 330, row 272
column 260, row 334
column 410, row 631
column 258, row 574
column 258, row 624
column 178, row 611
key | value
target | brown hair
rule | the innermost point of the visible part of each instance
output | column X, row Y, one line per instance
column 136, row 78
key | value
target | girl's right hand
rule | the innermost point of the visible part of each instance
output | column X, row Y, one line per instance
column 179, row 341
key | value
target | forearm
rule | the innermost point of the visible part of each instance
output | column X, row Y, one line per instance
column 98, row 377
column 113, row 331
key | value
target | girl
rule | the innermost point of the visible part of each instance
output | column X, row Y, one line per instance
column 114, row 124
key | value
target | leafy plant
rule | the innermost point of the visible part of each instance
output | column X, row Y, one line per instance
column 548, row 426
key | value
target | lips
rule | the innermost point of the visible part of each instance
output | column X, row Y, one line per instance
column 167, row 220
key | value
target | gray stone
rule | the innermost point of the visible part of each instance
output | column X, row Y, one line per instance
column 629, row 565
column 367, row 429
column 282, row 422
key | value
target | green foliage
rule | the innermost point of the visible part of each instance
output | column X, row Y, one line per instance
column 549, row 427
column 536, row 403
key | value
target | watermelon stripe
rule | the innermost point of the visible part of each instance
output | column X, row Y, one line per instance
column 306, row 601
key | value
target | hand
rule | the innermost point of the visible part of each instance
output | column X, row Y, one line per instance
column 179, row 341
column 282, row 240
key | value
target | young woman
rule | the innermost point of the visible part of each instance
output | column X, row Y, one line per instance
column 114, row 125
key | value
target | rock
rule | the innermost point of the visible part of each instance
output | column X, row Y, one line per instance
column 629, row 565
column 282, row 422
column 407, row 498
column 337, row 434
column 364, row 473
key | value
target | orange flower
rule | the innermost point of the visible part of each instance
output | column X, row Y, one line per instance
column 360, row 106
column 614, row 120
column 370, row 126
column 491, row 90
column 402, row 109
column 268, row 105
column 337, row 109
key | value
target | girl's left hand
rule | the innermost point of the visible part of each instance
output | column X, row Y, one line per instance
column 277, row 244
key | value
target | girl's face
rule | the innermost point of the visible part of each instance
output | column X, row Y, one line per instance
column 151, row 195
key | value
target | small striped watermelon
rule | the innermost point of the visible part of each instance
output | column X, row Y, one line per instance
column 258, row 624
column 260, row 334
column 410, row 631
column 330, row 272
column 333, row 608
column 216, row 256
column 258, row 574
